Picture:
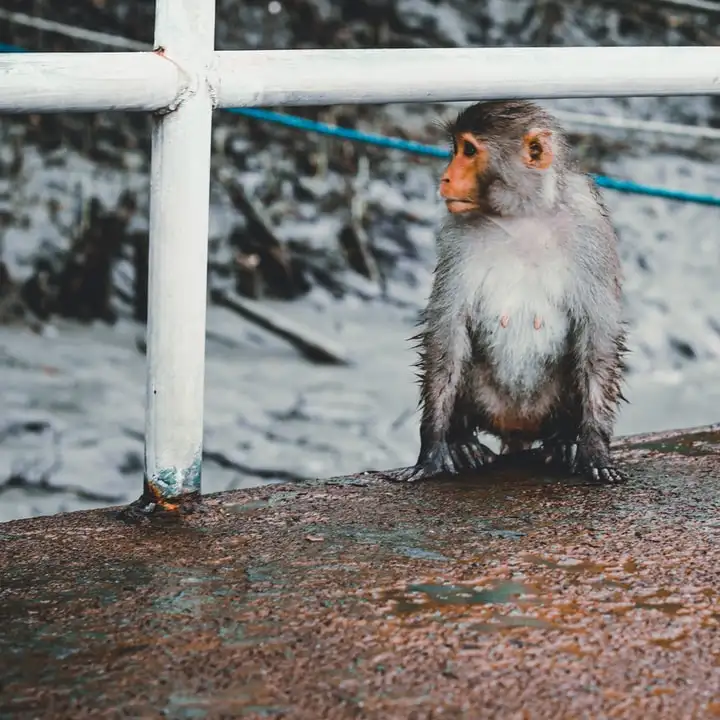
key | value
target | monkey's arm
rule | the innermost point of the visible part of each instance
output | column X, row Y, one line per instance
column 442, row 355
column 444, row 348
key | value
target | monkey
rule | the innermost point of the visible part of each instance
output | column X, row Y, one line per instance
column 522, row 337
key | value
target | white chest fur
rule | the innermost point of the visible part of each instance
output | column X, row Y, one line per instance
column 519, row 283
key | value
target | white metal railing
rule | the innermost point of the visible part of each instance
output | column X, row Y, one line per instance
column 49, row 82
column 185, row 79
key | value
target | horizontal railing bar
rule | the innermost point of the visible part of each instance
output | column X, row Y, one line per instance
column 572, row 118
column 87, row 82
column 82, row 82
column 326, row 77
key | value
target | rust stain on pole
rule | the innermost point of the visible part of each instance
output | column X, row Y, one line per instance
column 510, row 595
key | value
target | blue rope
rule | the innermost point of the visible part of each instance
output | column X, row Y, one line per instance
column 627, row 186
column 300, row 123
column 391, row 143
column 11, row 48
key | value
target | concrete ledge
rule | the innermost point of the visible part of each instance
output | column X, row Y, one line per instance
column 512, row 595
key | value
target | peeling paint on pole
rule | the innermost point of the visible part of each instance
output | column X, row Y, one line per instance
column 171, row 485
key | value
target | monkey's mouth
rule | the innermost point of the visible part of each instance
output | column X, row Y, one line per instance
column 455, row 205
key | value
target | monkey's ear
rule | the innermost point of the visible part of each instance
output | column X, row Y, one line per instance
column 537, row 149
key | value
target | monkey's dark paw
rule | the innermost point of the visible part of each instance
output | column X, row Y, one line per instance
column 605, row 474
column 438, row 461
column 599, row 468
column 471, row 455
column 560, row 454
column 412, row 474
column 584, row 458
column 416, row 473
column 593, row 460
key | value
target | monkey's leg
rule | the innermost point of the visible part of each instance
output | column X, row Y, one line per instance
column 436, row 458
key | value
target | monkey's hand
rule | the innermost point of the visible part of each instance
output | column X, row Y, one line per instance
column 445, row 459
column 593, row 460
column 436, row 460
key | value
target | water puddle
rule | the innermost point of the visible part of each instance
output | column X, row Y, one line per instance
column 501, row 622
column 253, row 700
column 421, row 554
column 692, row 444
column 424, row 596
column 248, row 506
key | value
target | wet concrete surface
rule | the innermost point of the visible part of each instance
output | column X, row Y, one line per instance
column 515, row 595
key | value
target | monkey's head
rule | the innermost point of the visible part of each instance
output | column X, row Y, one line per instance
column 507, row 158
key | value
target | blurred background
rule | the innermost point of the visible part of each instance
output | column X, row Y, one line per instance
column 321, row 251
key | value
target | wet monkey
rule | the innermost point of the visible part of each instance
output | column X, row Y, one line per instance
column 522, row 336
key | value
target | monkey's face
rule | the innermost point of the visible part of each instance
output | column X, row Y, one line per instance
column 494, row 174
column 460, row 184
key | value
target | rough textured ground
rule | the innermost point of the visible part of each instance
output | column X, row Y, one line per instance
column 516, row 595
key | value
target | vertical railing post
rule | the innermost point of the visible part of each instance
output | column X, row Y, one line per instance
column 177, row 294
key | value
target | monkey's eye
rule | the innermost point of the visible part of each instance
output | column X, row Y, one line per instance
column 469, row 149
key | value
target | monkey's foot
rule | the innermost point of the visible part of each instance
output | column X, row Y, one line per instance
column 574, row 457
column 561, row 454
column 604, row 473
column 593, row 461
column 471, row 455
